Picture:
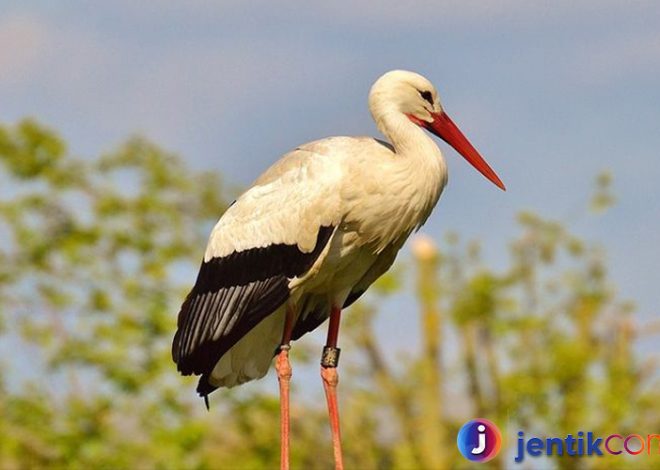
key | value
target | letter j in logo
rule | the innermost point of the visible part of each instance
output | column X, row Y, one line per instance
column 479, row 440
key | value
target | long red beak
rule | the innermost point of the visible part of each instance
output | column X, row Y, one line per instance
column 445, row 128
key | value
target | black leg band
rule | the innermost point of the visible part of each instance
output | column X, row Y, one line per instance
column 330, row 357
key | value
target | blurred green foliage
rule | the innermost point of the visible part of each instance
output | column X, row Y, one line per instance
column 98, row 253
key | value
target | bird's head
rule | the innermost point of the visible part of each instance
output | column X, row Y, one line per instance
column 408, row 93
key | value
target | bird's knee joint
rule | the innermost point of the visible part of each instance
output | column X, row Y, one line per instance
column 330, row 376
column 282, row 365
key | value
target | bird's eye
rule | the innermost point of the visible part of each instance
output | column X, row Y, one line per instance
column 427, row 96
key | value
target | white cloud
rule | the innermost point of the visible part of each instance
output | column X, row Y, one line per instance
column 39, row 52
column 111, row 85
column 22, row 42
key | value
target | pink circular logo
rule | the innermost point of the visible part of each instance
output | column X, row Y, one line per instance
column 479, row 440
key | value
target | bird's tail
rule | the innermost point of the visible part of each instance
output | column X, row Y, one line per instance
column 204, row 388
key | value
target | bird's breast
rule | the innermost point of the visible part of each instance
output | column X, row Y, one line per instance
column 392, row 201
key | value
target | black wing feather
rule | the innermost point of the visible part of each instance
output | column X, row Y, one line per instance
column 232, row 295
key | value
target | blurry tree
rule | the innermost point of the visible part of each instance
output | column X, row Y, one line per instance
column 97, row 254
column 91, row 255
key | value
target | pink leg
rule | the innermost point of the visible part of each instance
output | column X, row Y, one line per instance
column 329, row 363
column 284, row 373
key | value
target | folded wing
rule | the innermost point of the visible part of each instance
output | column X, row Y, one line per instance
column 273, row 233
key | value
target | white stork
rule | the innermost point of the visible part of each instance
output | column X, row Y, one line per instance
column 309, row 237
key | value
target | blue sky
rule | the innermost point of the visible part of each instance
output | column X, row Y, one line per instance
column 550, row 92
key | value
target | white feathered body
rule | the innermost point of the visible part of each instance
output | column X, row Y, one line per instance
column 373, row 196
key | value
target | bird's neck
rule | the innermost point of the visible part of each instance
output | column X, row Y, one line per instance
column 419, row 163
column 408, row 139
